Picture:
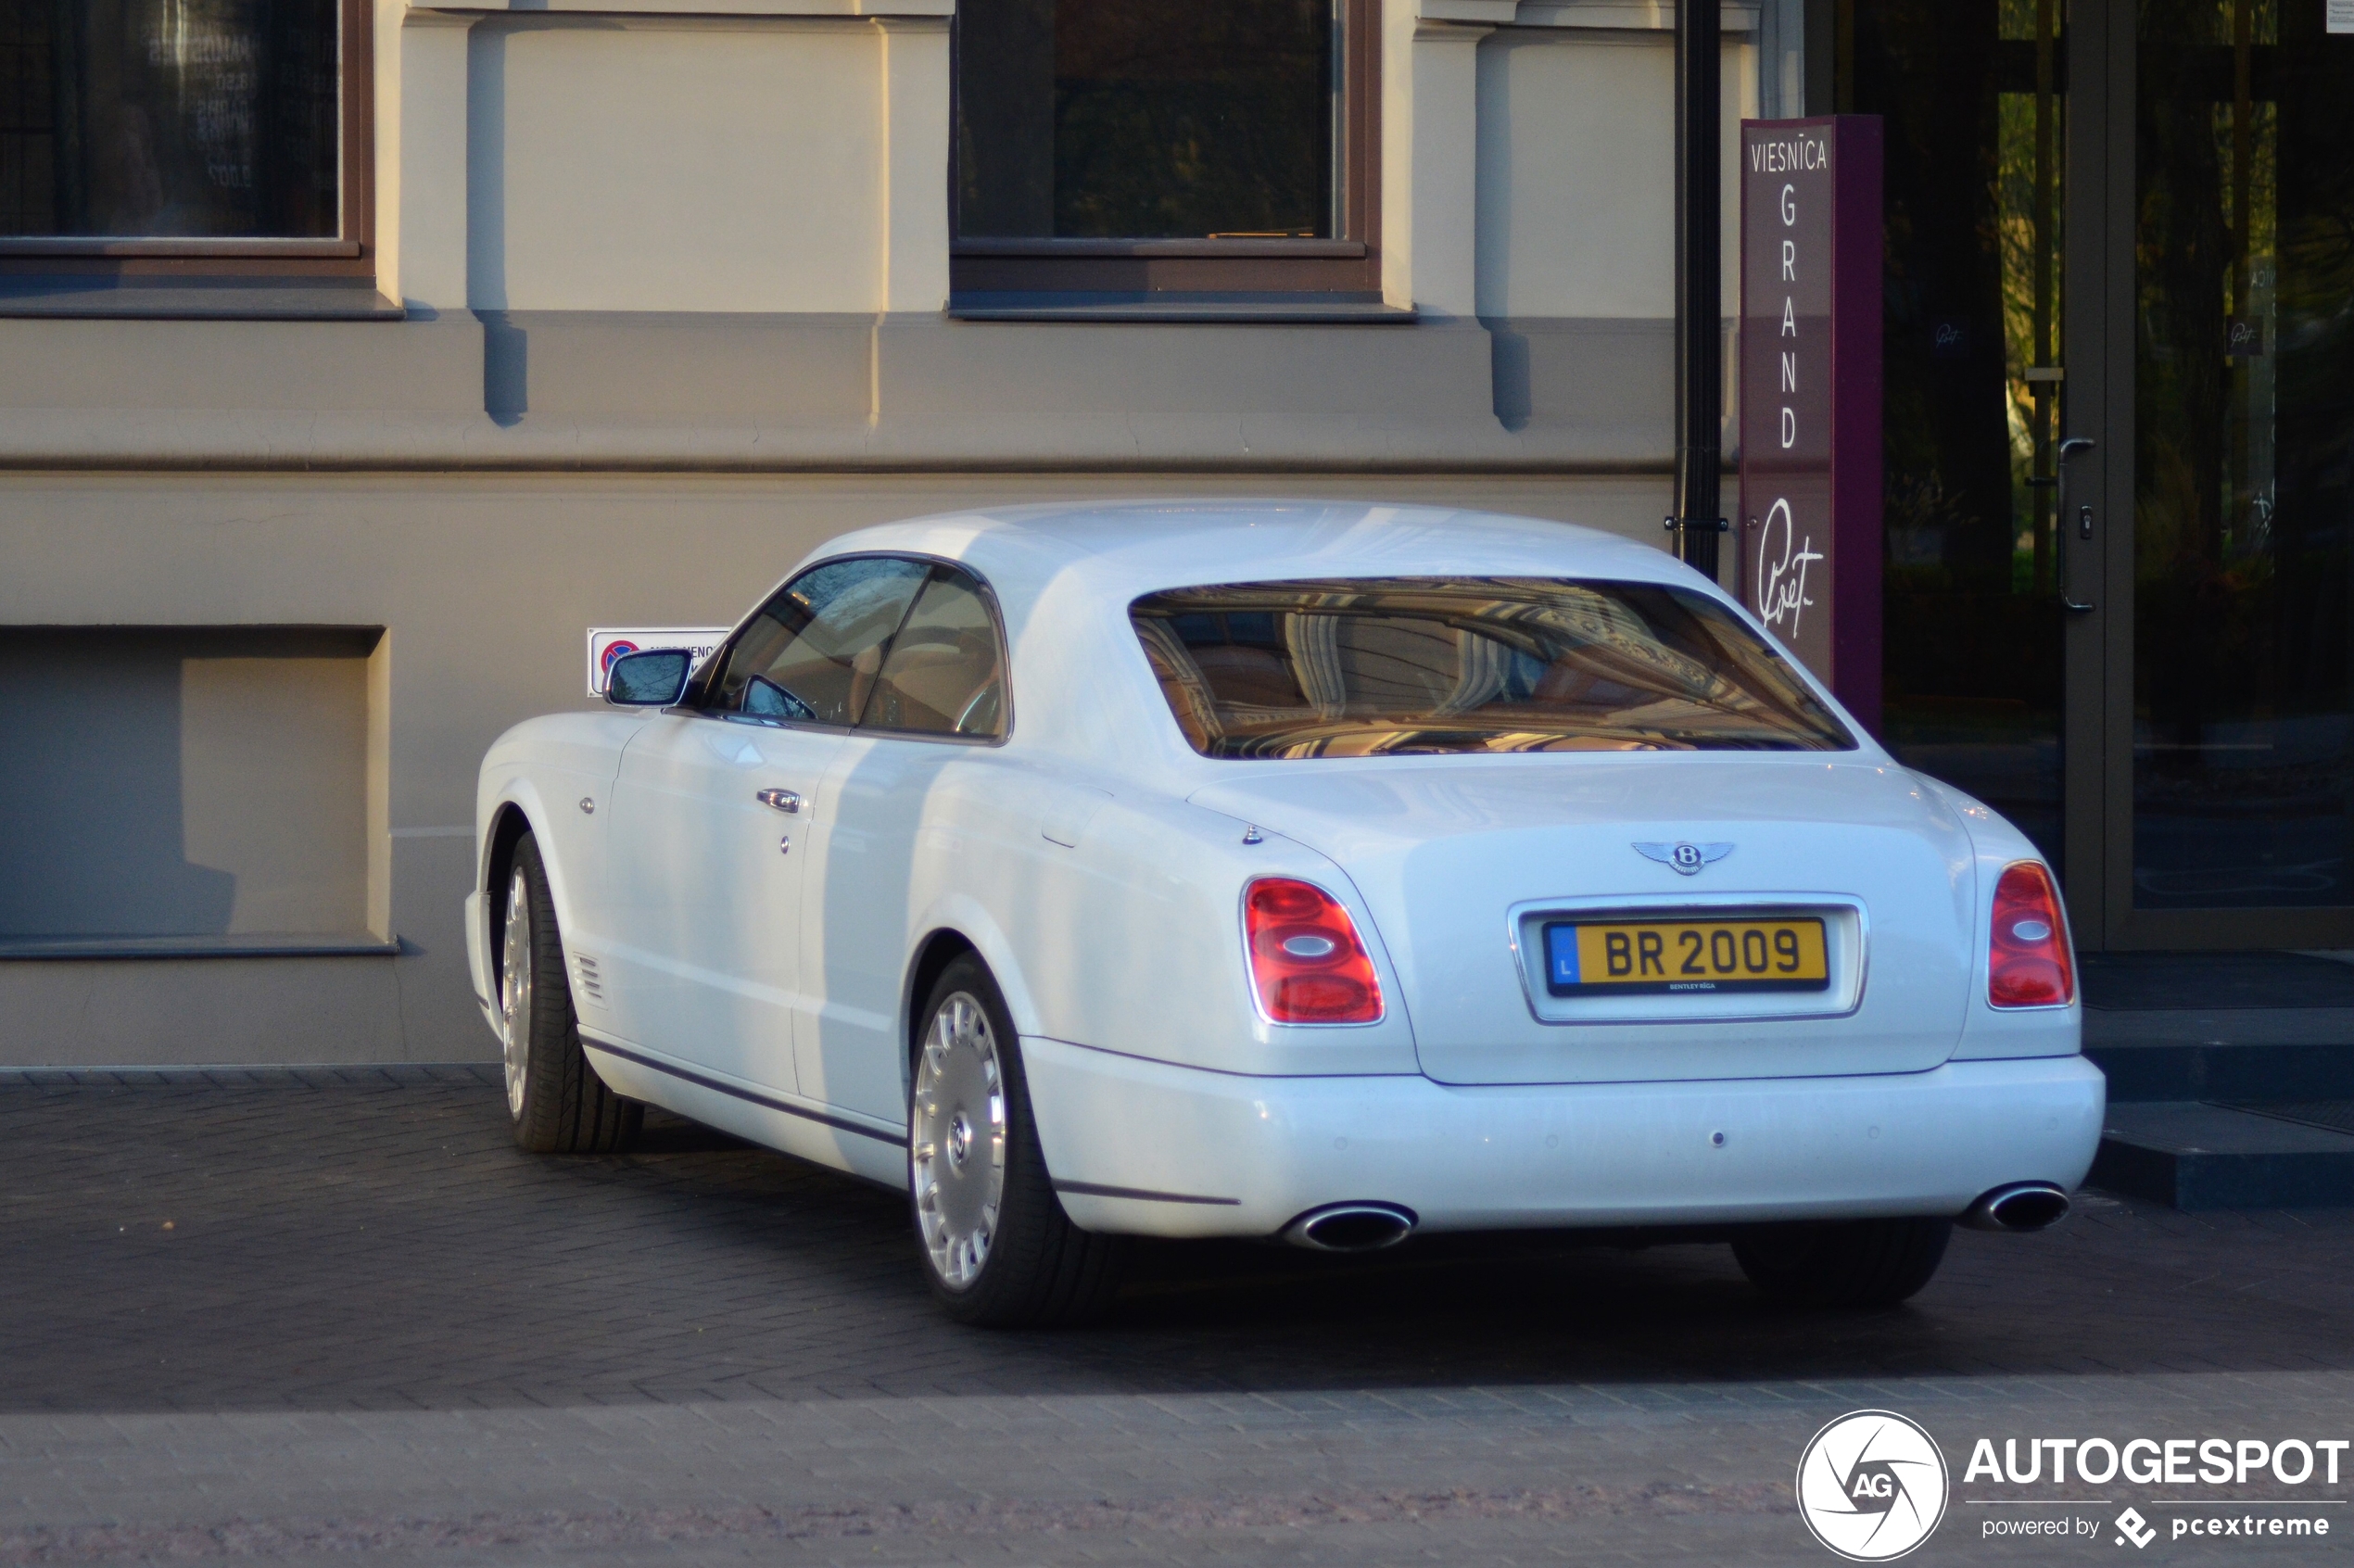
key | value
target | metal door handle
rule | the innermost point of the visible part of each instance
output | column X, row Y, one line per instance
column 786, row 801
column 2069, row 448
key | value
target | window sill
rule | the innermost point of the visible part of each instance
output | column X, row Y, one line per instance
column 200, row 947
column 65, row 296
column 1270, row 309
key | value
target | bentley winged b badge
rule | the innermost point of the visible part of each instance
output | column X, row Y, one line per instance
column 1686, row 859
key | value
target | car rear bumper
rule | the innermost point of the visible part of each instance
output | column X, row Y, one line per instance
column 1153, row 1149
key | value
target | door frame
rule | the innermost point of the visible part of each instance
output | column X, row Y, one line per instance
column 2097, row 404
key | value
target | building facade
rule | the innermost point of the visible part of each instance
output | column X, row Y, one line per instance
column 357, row 357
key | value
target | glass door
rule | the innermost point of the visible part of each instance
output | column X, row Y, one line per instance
column 2229, row 811
column 1978, row 104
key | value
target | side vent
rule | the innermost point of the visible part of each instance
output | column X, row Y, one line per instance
column 586, row 980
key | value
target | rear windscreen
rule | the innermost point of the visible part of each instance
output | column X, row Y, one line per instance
column 1401, row 665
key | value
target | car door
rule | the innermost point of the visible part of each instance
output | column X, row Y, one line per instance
column 939, row 695
column 711, row 810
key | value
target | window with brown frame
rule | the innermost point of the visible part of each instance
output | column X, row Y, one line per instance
column 1160, row 147
column 185, row 136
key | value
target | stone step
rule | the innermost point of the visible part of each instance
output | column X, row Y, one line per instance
column 2224, row 1053
column 2192, row 1155
column 2161, row 1072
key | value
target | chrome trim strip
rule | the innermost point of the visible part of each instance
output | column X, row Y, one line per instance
column 897, row 1141
column 1141, row 1195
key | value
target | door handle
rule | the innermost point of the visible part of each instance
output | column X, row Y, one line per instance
column 786, row 801
column 2069, row 448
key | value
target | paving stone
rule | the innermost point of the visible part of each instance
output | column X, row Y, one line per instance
column 373, row 1330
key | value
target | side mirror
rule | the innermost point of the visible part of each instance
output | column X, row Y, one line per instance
column 655, row 679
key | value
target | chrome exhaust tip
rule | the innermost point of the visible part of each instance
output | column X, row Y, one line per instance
column 2018, row 1206
column 1351, row 1227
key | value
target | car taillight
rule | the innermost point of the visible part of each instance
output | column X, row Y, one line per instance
column 2030, row 965
column 1304, row 956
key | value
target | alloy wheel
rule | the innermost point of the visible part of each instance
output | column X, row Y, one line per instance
column 515, row 992
column 959, row 1148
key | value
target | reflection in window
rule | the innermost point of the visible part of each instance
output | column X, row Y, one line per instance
column 1388, row 666
column 946, row 674
column 169, row 119
column 2244, row 423
column 813, row 652
column 1146, row 118
column 1973, row 96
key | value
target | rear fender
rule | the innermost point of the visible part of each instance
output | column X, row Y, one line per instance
column 966, row 916
column 1989, row 1031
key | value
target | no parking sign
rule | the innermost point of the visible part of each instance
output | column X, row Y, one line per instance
column 608, row 643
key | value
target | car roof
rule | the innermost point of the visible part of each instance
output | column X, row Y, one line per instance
column 1065, row 575
column 1120, row 549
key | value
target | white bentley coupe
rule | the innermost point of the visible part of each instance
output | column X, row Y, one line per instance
column 1309, row 871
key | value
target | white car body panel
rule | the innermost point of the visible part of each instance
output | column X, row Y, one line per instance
column 1097, row 865
column 1174, row 1151
column 1442, row 852
column 702, row 909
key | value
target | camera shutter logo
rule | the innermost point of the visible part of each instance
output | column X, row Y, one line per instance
column 1871, row 1485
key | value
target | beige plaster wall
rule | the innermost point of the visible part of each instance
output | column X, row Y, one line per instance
column 485, row 586
column 184, row 783
column 675, row 163
column 1576, row 215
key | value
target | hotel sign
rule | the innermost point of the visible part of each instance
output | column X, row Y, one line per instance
column 1810, row 395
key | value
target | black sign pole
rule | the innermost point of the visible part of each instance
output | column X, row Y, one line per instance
column 1699, row 286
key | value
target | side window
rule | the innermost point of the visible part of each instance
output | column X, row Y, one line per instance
column 946, row 672
column 814, row 650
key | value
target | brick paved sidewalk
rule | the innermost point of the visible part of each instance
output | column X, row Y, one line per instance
column 340, row 1309
column 1633, row 1472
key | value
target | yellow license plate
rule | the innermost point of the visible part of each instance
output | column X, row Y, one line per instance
column 1701, row 957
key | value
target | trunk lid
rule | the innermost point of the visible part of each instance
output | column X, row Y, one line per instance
column 1462, row 862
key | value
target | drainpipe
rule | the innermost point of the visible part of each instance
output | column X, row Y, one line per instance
column 1698, row 518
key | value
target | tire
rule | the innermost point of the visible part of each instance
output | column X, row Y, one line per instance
column 996, row 1245
column 556, row 1103
column 1844, row 1263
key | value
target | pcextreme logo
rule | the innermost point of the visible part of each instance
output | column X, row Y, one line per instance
column 1871, row 1485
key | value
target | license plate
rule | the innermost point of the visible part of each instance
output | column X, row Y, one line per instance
column 1704, row 957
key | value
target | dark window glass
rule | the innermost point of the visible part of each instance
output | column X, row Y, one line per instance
column 1145, row 119
column 169, row 119
column 1383, row 666
column 946, row 673
column 1974, row 98
column 813, row 652
column 2243, row 457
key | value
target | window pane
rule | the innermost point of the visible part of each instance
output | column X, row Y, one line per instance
column 946, row 674
column 169, row 119
column 2243, row 457
column 813, row 651
column 1145, row 119
column 1382, row 667
column 1973, row 94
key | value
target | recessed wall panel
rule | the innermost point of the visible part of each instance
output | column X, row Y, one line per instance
column 674, row 165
